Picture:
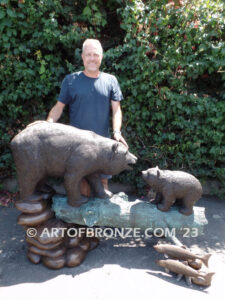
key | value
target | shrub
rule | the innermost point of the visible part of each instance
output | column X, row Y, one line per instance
column 169, row 59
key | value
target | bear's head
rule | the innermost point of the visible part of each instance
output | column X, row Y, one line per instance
column 151, row 176
column 120, row 159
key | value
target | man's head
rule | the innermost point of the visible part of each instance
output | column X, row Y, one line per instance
column 92, row 54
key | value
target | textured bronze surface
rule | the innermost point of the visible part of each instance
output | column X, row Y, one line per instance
column 75, row 256
column 85, row 244
column 35, row 219
column 45, row 235
column 72, row 242
column 34, row 258
column 94, row 242
column 70, row 153
column 180, row 253
column 172, row 186
column 37, row 244
column 38, row 197
column 54, row 263
column 59, row 251
column 180, row 268
column 51, row 243
column 203, row 281
column 195, row 264
column 31, row 207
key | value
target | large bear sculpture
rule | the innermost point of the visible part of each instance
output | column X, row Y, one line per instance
column 54, row 149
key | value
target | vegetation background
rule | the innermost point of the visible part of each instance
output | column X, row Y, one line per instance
column 169, row 57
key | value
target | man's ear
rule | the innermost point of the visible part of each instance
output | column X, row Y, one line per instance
column 115, row 148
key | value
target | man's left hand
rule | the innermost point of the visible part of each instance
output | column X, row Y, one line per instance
column 118, row 137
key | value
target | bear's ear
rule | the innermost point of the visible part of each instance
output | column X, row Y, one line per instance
column 157, row 168
column 115, row 148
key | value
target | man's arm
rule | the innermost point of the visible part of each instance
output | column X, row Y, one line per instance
column 56, row 112
column 117, row 122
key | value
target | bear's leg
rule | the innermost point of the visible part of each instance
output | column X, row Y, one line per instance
column 43, row 187
column 158, row 198
column 168, row 200
column 27, row 184
column 97, row 186
column 187, row 207
column 72, row 186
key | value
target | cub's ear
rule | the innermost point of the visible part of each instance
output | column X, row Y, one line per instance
column 158, row 171
column 115, row 148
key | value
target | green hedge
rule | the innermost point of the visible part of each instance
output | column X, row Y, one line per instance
column 170, row 62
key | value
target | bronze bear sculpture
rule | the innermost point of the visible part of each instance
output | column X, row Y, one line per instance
column 171, row 186
column 54, row 149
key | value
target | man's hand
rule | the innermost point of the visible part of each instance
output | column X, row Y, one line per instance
column 118, row 137
column 56, row 112
column 36, row 122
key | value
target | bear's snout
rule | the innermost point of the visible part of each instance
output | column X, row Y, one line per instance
column 133, row 158
column 130, row 160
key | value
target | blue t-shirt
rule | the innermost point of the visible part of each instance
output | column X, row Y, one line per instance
column 89, row 100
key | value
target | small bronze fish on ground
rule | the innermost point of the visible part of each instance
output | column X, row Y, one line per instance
column 202, row 281
column 182, row 269
column 195, row 264
column 177, row 252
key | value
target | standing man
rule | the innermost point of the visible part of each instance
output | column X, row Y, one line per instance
column 89, row 94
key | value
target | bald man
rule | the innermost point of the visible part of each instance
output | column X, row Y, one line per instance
column 89, row 94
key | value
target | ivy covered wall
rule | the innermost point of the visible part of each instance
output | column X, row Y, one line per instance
column 169, row 58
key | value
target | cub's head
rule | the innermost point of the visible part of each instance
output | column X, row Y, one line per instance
column 151, row 175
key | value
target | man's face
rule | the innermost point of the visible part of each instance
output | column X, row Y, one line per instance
column 92, row 58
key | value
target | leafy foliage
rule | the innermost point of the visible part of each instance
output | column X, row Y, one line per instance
column 169, row 59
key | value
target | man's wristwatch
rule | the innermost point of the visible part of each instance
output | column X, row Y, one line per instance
column 116, row 131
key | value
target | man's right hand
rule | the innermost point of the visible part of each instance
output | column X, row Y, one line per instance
column 56, row 112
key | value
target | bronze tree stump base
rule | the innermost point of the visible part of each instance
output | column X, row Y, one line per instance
column 49, row 240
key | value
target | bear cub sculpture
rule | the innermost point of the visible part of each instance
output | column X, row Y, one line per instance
column 54, row 149
column 171, row 186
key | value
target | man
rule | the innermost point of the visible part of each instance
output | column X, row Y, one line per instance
column 89, row 94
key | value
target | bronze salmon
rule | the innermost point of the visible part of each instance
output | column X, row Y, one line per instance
column 177, row 252
column 180, row 268
column 202, row 281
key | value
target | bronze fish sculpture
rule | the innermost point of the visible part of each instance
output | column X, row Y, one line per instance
column 195, row 264
column 202, row 281
column 177, row 252
column 182, row 269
